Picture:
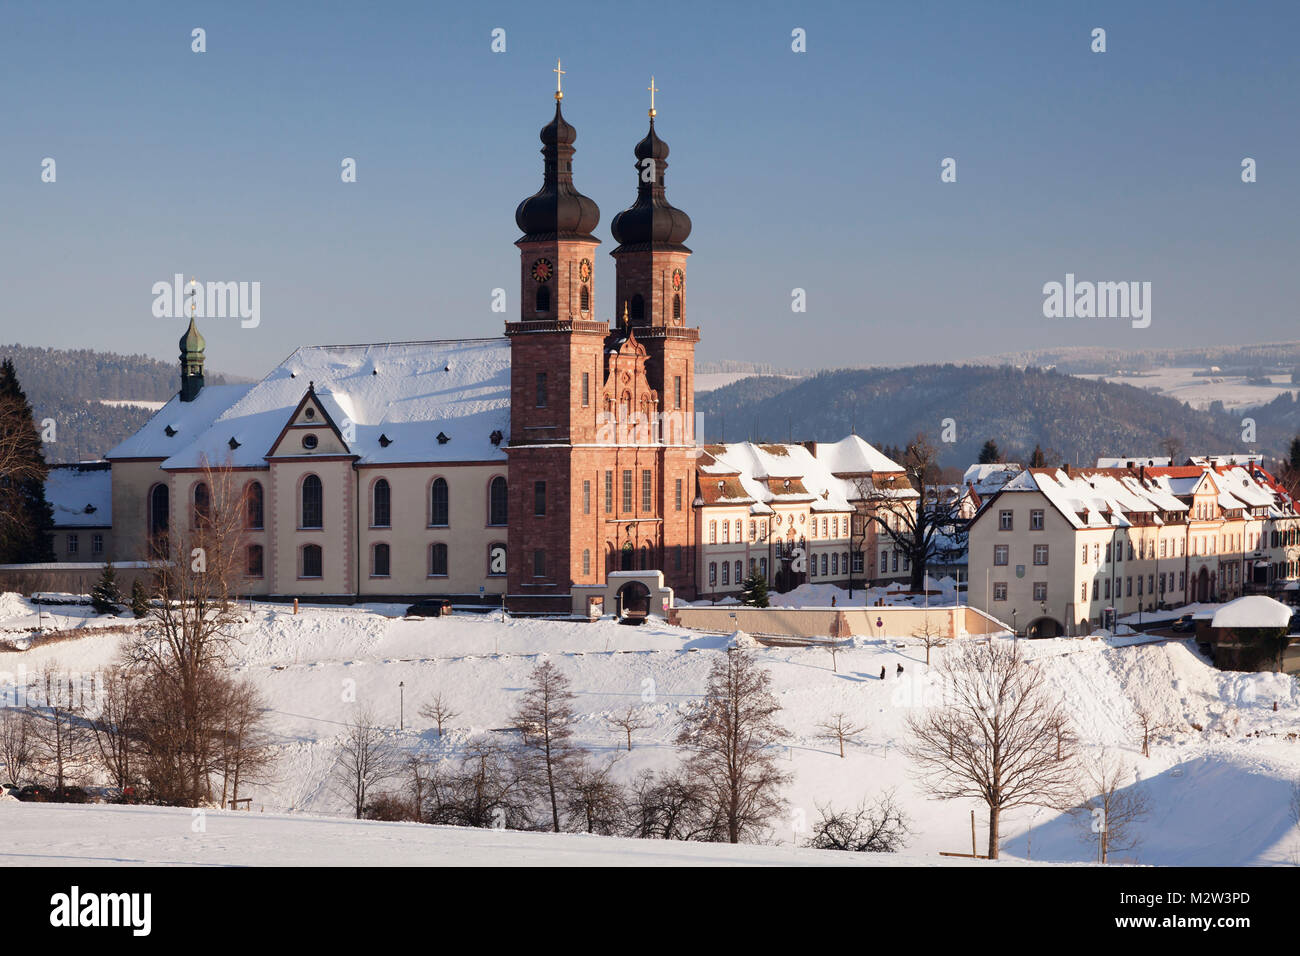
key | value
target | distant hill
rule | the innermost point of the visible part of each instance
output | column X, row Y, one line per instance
column 1018, row 408
column 68, row 384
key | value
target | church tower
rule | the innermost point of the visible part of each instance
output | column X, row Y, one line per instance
column 192, row 346
column 650, row 285
column 556, row 372
column 601, row 451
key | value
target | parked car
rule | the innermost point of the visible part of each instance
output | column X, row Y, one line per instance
column 1184, row 624
column 429, row 607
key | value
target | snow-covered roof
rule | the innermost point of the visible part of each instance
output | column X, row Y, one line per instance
column 824, row 476
column 987, row 479
column 1111, row 497
column 186, row 421
column 853, row 456
column 408, row 393
column 81, row 495
column 1253, row 610
column 1134, row 461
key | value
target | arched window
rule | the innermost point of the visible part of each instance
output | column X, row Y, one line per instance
column 636, row 309
column 628, row 557
column 381, row 515
column 159, row 506
column 256, row 514
column 438, row 560
column 677, row 307
column 313, row 503
column 254, row 560
column 645, row 557
column 380, row 562
column 497, row 511
column 439, row 503
column 202, row 504
column 311, row 561
column 584, row 300
column 543, row 298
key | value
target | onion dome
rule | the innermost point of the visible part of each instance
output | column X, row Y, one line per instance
column 557, row 210
column 652, row 222
column 192, row 342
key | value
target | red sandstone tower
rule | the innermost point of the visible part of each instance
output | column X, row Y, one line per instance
column 599, row 479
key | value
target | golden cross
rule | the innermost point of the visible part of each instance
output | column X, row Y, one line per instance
column 193, row 293
column 559, row 75
column 653, row 90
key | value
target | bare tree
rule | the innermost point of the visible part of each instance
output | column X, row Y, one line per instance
column 923, row 525
column 365, row 759
column 733, row 734
column 60, row 734
column 999, row 737
column 632, row 718
column 245, row 751
column 17, row 743
column 116, row 729
column 484, row 790
column 191, row 627
column 879, row 827
column 1110, row 817
column 543, row 721
column 417, row 777
column 439, row 711
column 669, row 806
column 839, row 728
column 593, row 800
column 930, row 636
column 1147, row 723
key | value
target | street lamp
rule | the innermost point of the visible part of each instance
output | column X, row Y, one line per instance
column 1015, row 631
column 401, row 714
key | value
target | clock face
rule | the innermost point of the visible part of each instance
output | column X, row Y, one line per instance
column 584, row 270
column 679, row 279
column 543, row 270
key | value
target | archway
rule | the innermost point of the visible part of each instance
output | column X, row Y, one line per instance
column 633, row 601
column 1044, row 627
column 1203, row 585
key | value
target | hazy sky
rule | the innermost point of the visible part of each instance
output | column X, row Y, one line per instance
column 816, row 170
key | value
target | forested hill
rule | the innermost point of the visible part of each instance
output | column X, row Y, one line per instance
column 1017, row 408
column 68, row 384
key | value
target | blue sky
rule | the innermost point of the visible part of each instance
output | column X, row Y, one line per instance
column 817, row 170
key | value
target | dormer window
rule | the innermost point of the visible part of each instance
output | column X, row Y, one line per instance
column 443, row 438
column 384, row 441
column 169, row 432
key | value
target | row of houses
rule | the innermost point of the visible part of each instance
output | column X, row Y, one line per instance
column 1060, row 550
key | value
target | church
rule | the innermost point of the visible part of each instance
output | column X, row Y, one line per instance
column 527, row 466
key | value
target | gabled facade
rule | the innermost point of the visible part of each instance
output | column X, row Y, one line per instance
column 1064, row 550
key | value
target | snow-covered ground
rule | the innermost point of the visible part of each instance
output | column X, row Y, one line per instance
column 1219, row 781
column 62, row 835
column 1200, row 391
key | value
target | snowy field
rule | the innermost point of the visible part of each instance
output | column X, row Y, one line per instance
column 1200, row 391
column 1219, row 794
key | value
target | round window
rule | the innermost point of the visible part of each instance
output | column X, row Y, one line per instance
column 310, row 412
column 309, row 442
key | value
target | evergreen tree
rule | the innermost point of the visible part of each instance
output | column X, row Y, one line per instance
column 1038, row 459
column 26, row 518
column 139, row 598
column 754, row 591
column 105, row 596
column 990, row 454
column 1295, row 452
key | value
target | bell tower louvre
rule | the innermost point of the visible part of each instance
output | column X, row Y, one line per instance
column 592, row 487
